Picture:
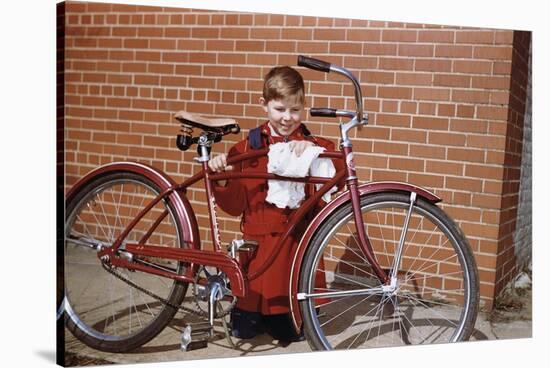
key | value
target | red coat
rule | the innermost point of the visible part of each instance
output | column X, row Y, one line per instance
column 264, row 222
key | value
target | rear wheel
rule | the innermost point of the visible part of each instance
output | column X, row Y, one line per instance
column 101, row 310
column 435, row 294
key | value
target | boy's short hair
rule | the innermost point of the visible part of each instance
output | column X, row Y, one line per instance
column 283, row 82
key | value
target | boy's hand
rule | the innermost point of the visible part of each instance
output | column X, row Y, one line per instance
column 219, row 164
column 298, row 147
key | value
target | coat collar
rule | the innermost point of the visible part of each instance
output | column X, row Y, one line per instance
column 298, row 134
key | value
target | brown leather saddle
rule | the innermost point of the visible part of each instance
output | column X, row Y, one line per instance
column 217, row 125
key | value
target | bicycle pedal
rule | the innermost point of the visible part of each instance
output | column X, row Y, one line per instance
column 195, row 336
column 241, row 245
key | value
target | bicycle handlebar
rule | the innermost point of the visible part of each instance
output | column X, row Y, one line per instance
column 314, row 64
column 323, row 66
column 323, row 111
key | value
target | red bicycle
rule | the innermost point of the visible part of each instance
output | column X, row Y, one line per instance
column 397, row 269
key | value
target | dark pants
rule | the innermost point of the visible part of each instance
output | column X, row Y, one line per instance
column 246, row 325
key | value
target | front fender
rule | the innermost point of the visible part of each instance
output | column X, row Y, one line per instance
column 326, row 212
column 179, row 200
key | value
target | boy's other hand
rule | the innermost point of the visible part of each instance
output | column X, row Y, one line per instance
column 298, row 147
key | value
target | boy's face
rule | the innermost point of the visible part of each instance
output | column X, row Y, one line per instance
column 284, row 116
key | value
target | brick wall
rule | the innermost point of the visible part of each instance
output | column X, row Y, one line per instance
column 523, row 238
column 443, row 101
column 506, row 262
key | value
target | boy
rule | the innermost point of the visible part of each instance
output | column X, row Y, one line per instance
column 266, row 306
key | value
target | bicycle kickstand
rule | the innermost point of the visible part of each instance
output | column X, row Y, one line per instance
column 196, row 335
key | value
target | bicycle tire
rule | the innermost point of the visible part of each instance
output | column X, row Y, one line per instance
column 444, row 309
column 95, row 309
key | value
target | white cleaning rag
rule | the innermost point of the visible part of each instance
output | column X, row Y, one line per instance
column 284, row 162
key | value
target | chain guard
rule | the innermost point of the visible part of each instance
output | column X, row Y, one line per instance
column 200, row 312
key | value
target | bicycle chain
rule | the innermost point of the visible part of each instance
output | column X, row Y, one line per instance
column 151, row 294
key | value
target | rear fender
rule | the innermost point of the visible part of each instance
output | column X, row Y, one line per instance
column 324, row 214
column 179, row 200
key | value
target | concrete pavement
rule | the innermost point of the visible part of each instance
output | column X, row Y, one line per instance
column 507, row 323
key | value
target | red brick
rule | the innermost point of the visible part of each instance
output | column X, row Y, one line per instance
column 433, row 65
column 148, row 56
column 493, row 52
column 475, row 37
column 395, row 92
column 493, row 82
column 472, row 67
column 378, row 77
column 189, row 45
column 124, row 31
column 345, row 48
column 468, row 126
column 391, row 175
column 234, row 33
column 415, row 79
column 329, row 34
column 393, row 120
column 444, row 167
column 391, row 148
column 363, row 35
column 504, row 37
column 408, row 164
column 392, row 35
column 470, row 96
column 297, row 34
column 486, row 201
column 432, row 94
column 452, row 80
column 246, row 45
column 484, row 171
column 265, row 33
column 465, row 154
column 396, row 64
column 486, row 141
column 199, row 32
column 492, row 113
column 436, row 36
column 453, row 51
column 416, row 50
column 408, row 135
column 427, row 151
column 426, row 180
column 312, row 47
column 379, row 49
column 371, row 161
column 446, row 110
column 447, row 139
column 425, row 108
column 469, row 185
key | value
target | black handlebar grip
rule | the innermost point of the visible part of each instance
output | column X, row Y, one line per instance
column 323, row 111
column 314, row 64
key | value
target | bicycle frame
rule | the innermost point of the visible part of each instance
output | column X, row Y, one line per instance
column 217, row 257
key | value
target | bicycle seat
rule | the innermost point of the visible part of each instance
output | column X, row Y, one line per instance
column 204, row 123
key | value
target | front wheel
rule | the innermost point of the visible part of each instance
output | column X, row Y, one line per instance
column 435, row 294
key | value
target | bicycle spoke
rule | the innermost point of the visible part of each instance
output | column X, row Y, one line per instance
column 351, row 249
column 379, row 307
column 353, row 306
column 351, row 265
column 111, row 230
